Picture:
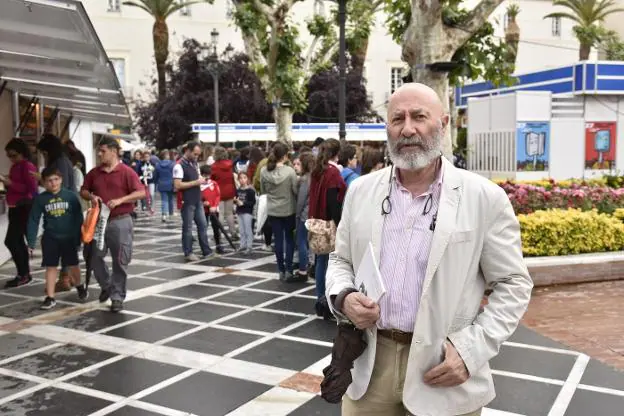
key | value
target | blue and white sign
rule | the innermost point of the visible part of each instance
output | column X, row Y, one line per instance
column 303, row 132
column 532, row 143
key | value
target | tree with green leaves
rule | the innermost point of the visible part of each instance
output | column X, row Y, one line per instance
column 160, row 10
column 612, row 46
column 587, row 14
column 445, row 42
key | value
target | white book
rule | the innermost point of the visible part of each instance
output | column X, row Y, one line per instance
column 368, row 277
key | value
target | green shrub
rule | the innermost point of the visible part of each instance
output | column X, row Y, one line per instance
column 562, row 232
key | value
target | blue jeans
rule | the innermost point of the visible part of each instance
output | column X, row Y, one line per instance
column 190, row 213
column 284, row 229
column 320, row 270
column 167, row 202
column 245, row 230
column 302, row 244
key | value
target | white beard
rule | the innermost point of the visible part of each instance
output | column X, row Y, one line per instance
column 420, row 158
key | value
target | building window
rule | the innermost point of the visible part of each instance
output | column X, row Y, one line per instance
column 186, row 10
column 396, row 78
column 319, row 8
column 114, row 5
column 120, row 69
column 506, row 20
column 556, row 26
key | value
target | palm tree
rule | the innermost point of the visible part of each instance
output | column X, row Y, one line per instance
column 512, row 32
column 588, row 14
column 160, row 10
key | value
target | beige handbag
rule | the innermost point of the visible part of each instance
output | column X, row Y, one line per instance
column 321, row 235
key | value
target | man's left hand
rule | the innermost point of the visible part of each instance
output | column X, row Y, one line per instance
column 114, row 203
column 452, row 372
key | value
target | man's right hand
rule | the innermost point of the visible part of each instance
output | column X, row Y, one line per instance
column 95, row 199
column 361, row 310
column 202, row 181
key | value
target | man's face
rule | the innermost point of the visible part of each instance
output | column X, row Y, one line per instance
column 107, row 155
column 53, row 183
column 146, row 157
column 193, row 154
column 415, row 129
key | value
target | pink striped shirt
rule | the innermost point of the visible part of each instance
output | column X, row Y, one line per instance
column 405, row 246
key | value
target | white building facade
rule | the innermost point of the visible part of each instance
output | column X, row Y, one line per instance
column 126, row 33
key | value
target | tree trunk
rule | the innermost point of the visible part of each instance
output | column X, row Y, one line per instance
column 160, row 33
column 584, row 51
column 283, row 124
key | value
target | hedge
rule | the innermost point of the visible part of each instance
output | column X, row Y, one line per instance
column 563, row 232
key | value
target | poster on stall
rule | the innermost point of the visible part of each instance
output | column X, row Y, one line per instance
column 600, row 145
column 532, row 145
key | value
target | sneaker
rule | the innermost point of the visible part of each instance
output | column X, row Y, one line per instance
column 164, row 218
column 104, row 295
column 297, row 277
column 18, row 281
column 83, row 293
column 191, row 257
column 48, row 303
column 116, row 306
column 220, row 250
column 266, row 248
column 248, row 251
column 282, row 276
column 208, row 255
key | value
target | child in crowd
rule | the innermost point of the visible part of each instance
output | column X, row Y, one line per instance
column 62, row 219
column 245, row 201
column 211, row 196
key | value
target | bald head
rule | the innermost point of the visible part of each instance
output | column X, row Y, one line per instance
column 416, row 95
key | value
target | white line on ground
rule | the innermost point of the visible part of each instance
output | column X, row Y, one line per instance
column 562, row 401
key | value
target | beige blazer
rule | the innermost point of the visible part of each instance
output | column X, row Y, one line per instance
column 476, row 244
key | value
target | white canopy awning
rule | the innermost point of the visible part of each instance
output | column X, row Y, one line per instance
column 49, row 49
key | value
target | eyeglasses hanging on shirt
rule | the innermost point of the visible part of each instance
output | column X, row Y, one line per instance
column 386, row 204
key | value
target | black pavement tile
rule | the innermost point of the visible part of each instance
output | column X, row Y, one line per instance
column 311, row 291
column 586, row 403
column 15, row 344
column 533, row 362
column 220, row 262
column 213, row 341
column 283, row 353
column 176, row 258
column 267, row 267
column 601, row 375
column 525, row 335
column 134, row 269
column 202, row 391
column 296, row 304
column 150, row 246
column 194, row 291
column 245, row 297
column 53, row 402
column 234, row 280
column 95, row 320
column 148, row 255
column 127, row 376
column 523, row 396
column 133, row 411
column 28, row 309
column 150, row 330
column 170, row 273
column 202, row 312
column 262, row 321
column 32, row 289
column 317, row 407
column 276, row 285
column 151, row 304
column 59, row 361
column 319, row 330
column 8, row 299
column 136, row 283
column 11, row 385
column 254, row 255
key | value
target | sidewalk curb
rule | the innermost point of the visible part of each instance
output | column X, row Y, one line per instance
column 578, row 268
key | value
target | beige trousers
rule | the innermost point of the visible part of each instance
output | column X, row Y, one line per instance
column 385, row 390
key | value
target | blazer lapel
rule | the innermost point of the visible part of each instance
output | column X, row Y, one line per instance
column 446, row 220
column 381, row 191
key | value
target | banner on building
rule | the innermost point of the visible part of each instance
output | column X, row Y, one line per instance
column 532, row 146
column 600, row 142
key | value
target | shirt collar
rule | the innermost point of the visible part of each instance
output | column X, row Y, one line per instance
column 336, row 165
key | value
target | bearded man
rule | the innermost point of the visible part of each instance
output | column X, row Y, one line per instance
column 441, row 235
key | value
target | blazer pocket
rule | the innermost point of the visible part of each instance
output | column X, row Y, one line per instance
column 462, row 236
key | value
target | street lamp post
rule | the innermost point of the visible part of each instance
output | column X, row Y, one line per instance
column 216, row 69
column 342, row 80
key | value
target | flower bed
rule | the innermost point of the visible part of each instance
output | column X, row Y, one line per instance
column 573, row 231
column 529, row 198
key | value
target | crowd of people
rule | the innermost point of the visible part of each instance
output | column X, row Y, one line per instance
column 217, row 186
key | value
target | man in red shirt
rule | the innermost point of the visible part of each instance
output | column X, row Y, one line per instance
column 118, row 186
